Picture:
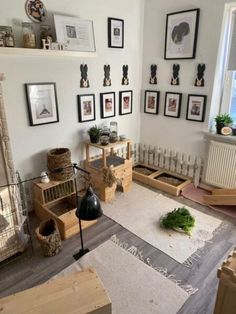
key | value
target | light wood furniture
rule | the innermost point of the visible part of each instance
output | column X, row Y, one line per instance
column 81, row 292
column 57, row 200
column 121, row 168
column 221, row 197
column 156, row 179
column 226, row 295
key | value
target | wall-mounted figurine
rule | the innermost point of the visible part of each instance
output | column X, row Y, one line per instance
column 200, row 82
column 107, row 79
column 84, row 82
column 175, row 77
column 153, row 78
column 125, row 79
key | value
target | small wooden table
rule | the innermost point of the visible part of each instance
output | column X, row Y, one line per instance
column 120, row 166
column 81, row 292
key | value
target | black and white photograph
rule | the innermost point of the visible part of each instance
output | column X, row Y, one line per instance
column 196, row 108
column 172, row 104
column 151, row 102
column 42, row 103
column 86, row 107
column 181, row 34
column 115, row 33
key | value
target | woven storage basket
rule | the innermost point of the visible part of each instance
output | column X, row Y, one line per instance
column 59, row 164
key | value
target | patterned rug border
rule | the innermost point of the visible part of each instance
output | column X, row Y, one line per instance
column 162, row 270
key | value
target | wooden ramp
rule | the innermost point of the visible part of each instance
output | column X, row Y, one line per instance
column 221, row 197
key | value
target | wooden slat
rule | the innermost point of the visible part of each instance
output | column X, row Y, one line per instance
column 172, row 160
column 81, row 292
column 220, row 199
column 179, row 163
column 185, row 165
column 150, row 155
column 192, row 160
column 198, row 170
column 224, row 192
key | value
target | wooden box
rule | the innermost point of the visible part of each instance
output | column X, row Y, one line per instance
column 57, row 200
column 226, row 300
column 142, row 173
column 161, row 179
column 81, row 292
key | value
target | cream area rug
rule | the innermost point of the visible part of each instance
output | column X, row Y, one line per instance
column 140, row 210
column 133, row 286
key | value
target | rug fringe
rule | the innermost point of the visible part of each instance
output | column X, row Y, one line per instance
column 200, row 251
column 162, row 270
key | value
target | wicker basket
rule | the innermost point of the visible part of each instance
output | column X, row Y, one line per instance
column 59, row 164
column 49, row 237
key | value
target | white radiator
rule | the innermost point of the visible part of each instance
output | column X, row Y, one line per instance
column 221, row 165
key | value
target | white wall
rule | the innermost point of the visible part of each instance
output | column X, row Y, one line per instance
column 30, row 144
column 179, row 134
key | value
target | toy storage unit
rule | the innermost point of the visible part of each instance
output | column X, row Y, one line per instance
column 161, row 179
column 226, row 300
column 57, row 200
column 121, row 168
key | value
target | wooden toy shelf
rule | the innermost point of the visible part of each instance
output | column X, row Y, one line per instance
column 121, row 168
column 57, row 200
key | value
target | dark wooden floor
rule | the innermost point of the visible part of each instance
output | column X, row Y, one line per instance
column 28, row 271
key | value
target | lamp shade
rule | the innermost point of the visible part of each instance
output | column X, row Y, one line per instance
column 90, row 207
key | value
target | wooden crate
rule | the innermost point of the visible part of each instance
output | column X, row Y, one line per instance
column 226, row 300
column 81, row 292
column 142, row 177
column 155, row 180
column 57, row 200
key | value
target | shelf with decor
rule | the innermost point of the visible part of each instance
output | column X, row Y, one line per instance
column 45, row 52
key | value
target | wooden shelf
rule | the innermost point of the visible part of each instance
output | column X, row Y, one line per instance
column 46, row 53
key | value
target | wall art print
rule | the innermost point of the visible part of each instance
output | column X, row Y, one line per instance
column 181, row 34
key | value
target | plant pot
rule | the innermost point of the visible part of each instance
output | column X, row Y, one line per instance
column 219, row 126
column 94, row 139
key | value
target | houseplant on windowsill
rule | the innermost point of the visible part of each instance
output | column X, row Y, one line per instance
column 94, row 133
column 222, row 120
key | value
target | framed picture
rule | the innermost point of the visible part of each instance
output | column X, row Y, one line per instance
column 126, row 99
column 42, row 103
column 181, row 34
column 151, row 102
column 86, row 107
column 115, row 33
column 172, row 104
column 75, row 33
column 196, row 108
column 108, row 105
column 36, row 11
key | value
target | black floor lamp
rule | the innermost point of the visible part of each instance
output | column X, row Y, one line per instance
column 88, row 208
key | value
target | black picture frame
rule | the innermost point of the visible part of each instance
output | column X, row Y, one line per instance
column 125, row 102
column 42, row 103
column 86, row 107
column 108, row 104
column 181, row 34
column 151, row 101
column 196, row 107
column 172, row 104
column 115, row 32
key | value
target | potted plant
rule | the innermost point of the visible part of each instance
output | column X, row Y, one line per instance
column 221, row 121
column 94, row 133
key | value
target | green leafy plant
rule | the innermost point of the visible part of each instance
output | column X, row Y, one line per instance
column 94, row 131
column 223, row 118
column 179, row 218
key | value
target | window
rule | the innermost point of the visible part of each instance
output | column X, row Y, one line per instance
column 228, row 104
column 224, row 90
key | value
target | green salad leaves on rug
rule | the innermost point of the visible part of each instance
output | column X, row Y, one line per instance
column 179, row 219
